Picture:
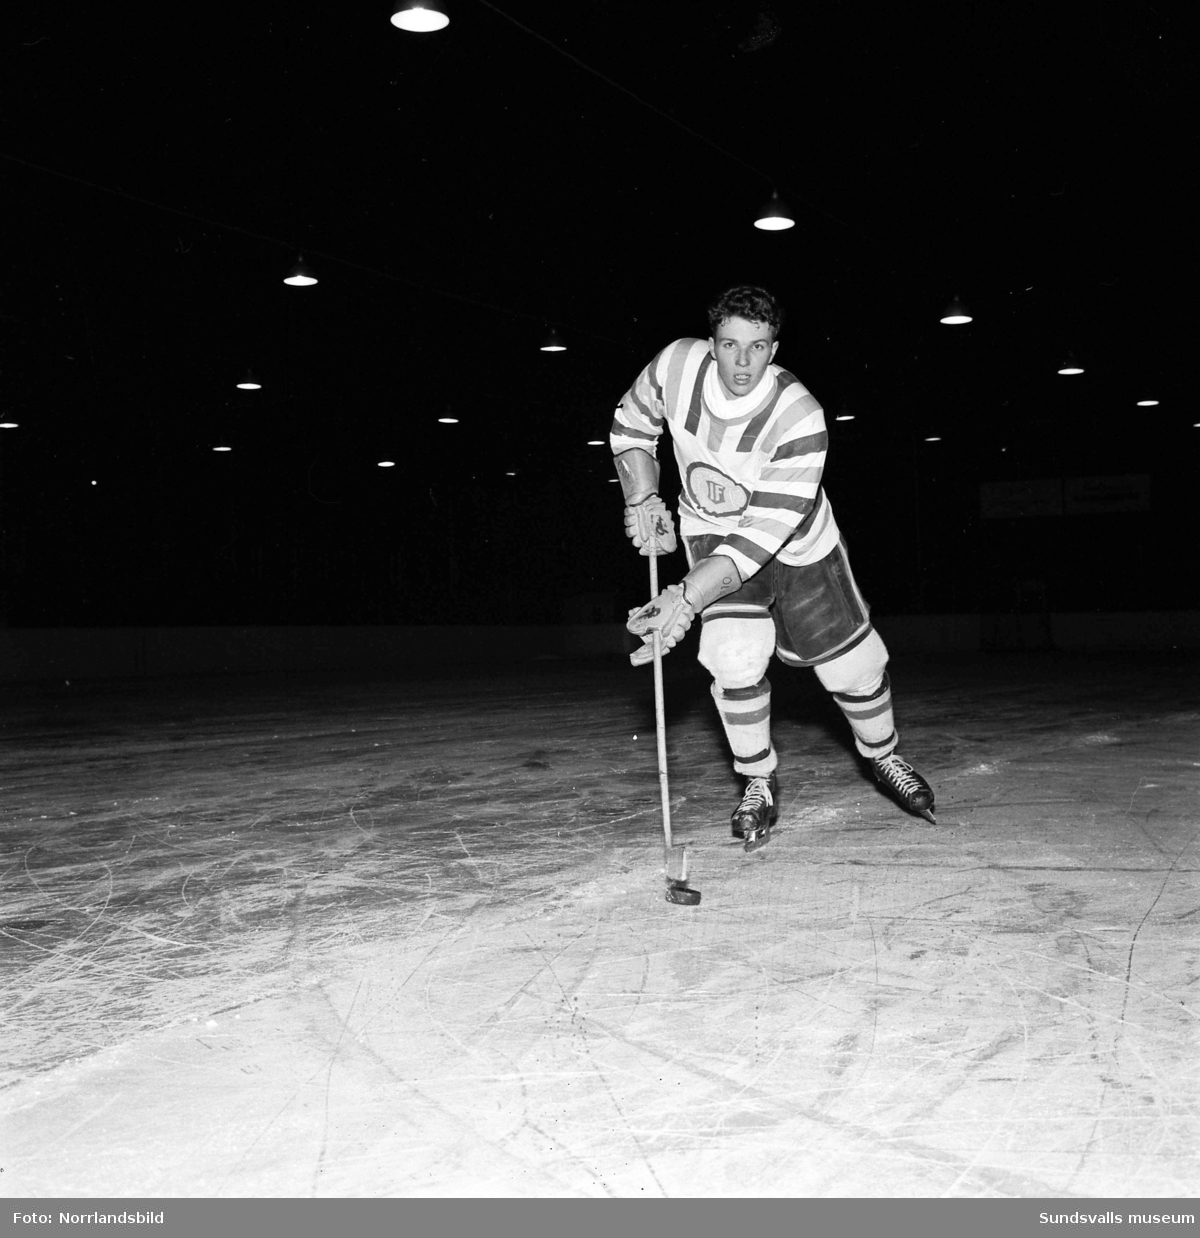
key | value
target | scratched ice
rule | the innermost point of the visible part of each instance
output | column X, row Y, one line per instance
column 408, row 937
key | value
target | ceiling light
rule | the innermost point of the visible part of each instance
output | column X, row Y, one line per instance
column 448, row 421
column 1147, row 403
column 1070, row 366
column 553, row 342
column 595, row 442
column 775, row 216
column 955, row 314
column 934, row 438
column 387, row 464
column 249, row 382
column 222, row 449
column 8, row 425
column 844, row 417
column 420, row 16
column 301, row 275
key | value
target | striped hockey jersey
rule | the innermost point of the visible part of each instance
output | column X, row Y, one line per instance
column 750, row 465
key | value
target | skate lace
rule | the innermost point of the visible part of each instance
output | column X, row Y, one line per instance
column 758, row 794
column 900, row 774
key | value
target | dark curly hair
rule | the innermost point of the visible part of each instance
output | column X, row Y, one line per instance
column 748, row 302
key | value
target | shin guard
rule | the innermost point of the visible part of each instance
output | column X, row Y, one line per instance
column 746, row 717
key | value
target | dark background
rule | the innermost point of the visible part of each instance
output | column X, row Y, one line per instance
column 458, row 193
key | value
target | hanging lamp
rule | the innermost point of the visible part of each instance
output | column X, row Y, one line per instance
column 553, row 342
column 955, row 314
column 301, row 275
column 420, row 16
column 775, row 216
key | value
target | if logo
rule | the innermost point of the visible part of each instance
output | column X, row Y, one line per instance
column 714, row 493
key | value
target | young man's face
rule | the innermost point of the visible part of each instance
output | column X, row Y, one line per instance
column 742, row 351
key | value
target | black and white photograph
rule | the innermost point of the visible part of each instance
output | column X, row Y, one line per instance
column 600, row 602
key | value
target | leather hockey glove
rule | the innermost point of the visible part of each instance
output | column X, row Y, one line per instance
column 650, row 527
column 672, row 612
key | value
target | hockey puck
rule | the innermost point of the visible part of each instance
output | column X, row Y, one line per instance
column 683, row 896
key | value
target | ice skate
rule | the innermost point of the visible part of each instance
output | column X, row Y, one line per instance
column 904, row 785
column 753, row 818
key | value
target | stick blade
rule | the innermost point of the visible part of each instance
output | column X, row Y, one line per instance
column 675, row 860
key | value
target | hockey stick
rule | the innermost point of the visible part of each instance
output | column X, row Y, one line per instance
column 674, row 857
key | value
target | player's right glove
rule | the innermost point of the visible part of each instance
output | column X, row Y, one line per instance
column 671, row 613
column 650, row 527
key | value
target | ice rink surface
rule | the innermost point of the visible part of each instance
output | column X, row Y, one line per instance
column 407, row 936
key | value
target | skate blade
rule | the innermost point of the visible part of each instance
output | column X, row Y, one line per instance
column 681, row 894
column 754, row 841
column 927, row 813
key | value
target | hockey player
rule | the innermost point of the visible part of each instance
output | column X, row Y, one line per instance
column 768, row 569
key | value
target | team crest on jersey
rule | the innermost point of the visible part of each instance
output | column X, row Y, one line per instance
column 713, row 493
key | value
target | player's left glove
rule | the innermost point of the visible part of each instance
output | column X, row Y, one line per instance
column 650, row 527
column 671, row 613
